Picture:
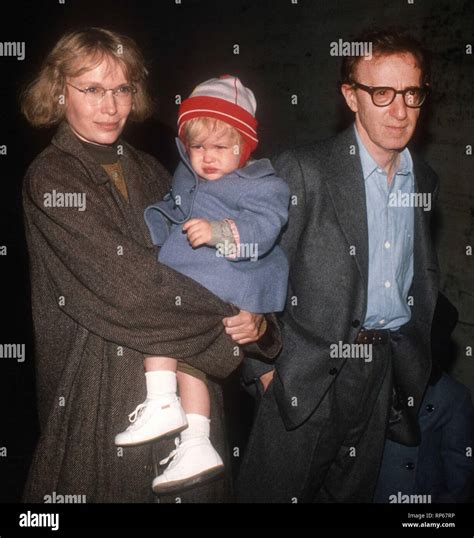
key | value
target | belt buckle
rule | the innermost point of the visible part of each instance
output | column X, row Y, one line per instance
column 372, row 336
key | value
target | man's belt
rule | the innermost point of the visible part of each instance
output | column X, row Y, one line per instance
column 373, row 336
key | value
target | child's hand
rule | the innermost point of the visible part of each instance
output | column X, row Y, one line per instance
column 198, row 231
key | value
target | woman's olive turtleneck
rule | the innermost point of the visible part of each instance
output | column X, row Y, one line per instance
column 107, row 156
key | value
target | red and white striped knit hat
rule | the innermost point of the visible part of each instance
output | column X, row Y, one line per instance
column 226, row 99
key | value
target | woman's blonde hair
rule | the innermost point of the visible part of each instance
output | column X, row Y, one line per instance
column 42, row 101
column 197, row 129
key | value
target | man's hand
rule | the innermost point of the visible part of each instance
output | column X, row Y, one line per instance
column 244, row 327
column 266, row 379
column 198, row 231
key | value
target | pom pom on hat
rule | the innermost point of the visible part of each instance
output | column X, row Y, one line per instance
column 226, row 99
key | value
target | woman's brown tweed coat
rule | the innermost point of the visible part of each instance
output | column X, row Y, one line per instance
column 100, row 302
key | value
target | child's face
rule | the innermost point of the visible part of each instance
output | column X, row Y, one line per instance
column 214, row 155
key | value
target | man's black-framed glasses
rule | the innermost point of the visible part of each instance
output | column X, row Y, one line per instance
column 414, row 96
column 95, row 94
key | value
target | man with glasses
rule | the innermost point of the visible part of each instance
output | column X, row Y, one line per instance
column 362, row 291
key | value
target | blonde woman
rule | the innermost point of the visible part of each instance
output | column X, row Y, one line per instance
column 100, row 301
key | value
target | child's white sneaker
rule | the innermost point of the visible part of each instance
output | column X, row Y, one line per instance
column 152, row 419
column 193, row 462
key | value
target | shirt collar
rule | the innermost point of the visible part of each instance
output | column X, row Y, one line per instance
column 369, row 166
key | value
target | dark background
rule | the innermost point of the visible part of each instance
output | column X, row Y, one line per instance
column 284, row 50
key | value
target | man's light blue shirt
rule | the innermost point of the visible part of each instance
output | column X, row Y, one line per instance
column 391, row 230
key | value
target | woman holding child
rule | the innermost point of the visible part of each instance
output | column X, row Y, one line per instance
column 101, row 302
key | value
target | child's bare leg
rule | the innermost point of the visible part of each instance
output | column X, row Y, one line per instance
column 153, row 364
column 194, row 394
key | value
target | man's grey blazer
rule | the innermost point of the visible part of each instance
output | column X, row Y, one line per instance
column 326, row 241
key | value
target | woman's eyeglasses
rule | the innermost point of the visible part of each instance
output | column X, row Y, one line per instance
column 95, row 94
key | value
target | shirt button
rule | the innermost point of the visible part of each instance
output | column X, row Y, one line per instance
column 430, row 408
column 387, row 284
column 410, row 466
column 387, row 244
column 355, row 323
column 379, row 171
column 381, row 322
column 333, row 371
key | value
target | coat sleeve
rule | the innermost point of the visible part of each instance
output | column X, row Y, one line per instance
column 263, row 211
column 112, row 285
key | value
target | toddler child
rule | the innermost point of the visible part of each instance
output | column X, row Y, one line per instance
column 218, row 225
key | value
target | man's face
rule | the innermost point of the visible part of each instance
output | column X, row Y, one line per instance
column 215, row 155
column 387, row 128
column 100, row 123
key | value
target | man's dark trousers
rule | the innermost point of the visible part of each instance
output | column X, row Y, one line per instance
column 335, row 455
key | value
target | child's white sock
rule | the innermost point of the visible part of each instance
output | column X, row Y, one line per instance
column 161, row 385
column 198, row 426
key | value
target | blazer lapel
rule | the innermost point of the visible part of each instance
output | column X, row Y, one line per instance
column 347, row 189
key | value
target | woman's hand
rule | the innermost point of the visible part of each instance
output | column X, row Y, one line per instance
column 244, row 327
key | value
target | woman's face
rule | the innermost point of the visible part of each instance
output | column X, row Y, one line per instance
column 100, row 123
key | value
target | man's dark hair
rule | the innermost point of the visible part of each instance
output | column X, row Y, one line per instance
column 386, row 42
